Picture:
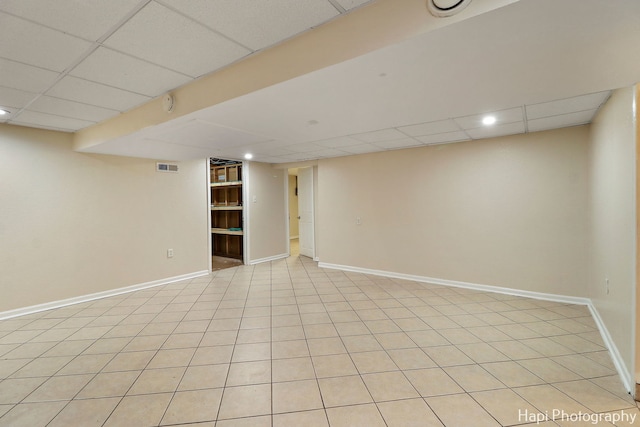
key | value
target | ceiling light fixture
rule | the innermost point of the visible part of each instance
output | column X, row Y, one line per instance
column 488, row 120
column 3, row 112
column 248, row 156
column 444, row 8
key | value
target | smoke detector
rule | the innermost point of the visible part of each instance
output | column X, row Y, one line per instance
column 168, row 102
column 444, row 8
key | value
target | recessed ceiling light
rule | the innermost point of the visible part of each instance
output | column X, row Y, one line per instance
column 488, row 120
column 248, row 156
column 3, row 112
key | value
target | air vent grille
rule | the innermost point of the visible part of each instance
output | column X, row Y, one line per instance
column 167, row 167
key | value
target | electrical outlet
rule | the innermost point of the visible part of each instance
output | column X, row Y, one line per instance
column 358, row 220
column 169, row 253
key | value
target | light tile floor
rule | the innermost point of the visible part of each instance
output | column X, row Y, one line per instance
column 289, row 344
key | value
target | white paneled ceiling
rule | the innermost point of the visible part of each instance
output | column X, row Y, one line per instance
column 69, row 64
column 533, row 64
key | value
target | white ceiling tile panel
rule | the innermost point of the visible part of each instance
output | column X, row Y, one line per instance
column 80, row 90
column 164, row 37
column 13, row 98
column 569, row 105
column 35, row 119
column 339, row 142
column 328, row 152
column 257, row 24
column 303, row 147
column 379, row 135
column 122, row 71
column 297, row 157
column 76, row 110
column 442, row 138
column 88, row 19
column 270, row 146
column 33, row 44
column 400, row 143
column 510, row 115
column 431, row 128
column 563, row 120
column 496, row 130
column 270, row 152
column 25, row 77
column 351, row 4
column 361, row 149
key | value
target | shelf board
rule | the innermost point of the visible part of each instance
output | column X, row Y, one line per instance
column 227, row 184
column 225, row 231
column 226, row 208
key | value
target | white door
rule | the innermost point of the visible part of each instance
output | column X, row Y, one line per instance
column 305, row 212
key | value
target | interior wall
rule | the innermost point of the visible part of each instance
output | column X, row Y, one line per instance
column 74, row 224
column 266, row 210
column 293, row 207
column 612, row 177
column 507, row 212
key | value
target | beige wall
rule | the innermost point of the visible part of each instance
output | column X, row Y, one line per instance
column 612, row 178
column 293, row 207
column 74, row 224
column 267, row 215
column 506, row 212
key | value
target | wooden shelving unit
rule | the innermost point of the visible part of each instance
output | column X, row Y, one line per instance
column 227, row 210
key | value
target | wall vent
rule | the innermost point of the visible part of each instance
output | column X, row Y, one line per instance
column 166, row 167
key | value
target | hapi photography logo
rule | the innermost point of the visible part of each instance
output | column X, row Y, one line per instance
column 583, row 417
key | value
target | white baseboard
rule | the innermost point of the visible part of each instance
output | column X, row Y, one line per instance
column 466, row 285
column 267, row 259
column 618, row 362
column 98, row 295
column 626, row 377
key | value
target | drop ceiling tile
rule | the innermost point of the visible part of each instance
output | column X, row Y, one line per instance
column 297, row 157
column 80, row 90
column 164, row 37
column 510, row 115
column 267, row 159
column 362, row 149
column 380, row 135
column 76, row 110
column 270, row 152
column 125, row 72
column 35, row 119
column 563, row 120
column 399, row 143
column 496, row 130
column 257, row 24
column 328, row 152
column 443, row 138
column 303, row 147
column 567, row 105
column 13, row 98
column 88, row 19
column 25, row 77
column 430, row 128
column 339, row 142
column 351, row 4
column 270, row 147
column 33, row 44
